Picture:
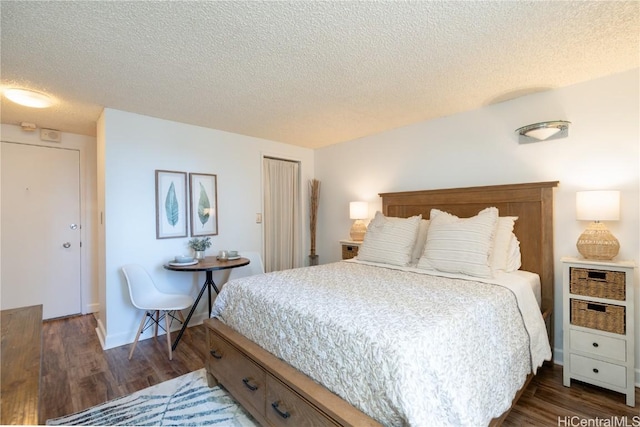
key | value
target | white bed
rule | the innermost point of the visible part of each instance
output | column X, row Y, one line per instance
column 404, row 346
column 403, row 336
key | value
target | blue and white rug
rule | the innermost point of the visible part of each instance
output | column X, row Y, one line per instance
column 182, row 401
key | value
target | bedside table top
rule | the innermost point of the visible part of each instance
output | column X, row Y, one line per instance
column 576, row 260
column 350, row 242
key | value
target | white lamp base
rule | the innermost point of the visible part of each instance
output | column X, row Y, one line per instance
column 357, row 230
column 597, row 242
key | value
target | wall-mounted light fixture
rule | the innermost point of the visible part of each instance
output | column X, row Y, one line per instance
column 597, row 242
column 29, row 98
column 543, row 131
column 358, row 211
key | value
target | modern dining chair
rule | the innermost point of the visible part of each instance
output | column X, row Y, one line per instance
column 146, row 296
column 255, row 266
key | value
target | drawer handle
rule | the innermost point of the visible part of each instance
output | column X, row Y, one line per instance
column 597, row 275
column 284, row 414
column 215, row 354
column 597, row 307
column 595, row 370
column 596, row 345
column 249, row 386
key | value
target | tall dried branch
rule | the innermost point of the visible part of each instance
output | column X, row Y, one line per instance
column 314, row 198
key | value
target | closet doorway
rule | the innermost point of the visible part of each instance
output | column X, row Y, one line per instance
column 282, row 222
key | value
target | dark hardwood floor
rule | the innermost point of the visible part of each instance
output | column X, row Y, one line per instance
column 77, row 374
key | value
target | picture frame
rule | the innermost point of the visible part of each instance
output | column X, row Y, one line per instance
column 203, row 201
column 171, row 204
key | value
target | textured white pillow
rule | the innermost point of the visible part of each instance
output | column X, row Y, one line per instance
column 514, row 261
column 501, row 242
column 421, row 240
column 389, row 240
column 460, row 245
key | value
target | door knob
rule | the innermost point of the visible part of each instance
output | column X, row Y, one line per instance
column 66, row 245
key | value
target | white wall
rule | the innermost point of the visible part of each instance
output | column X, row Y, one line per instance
column 480, row 148
column 131, row 148
column 87, row 148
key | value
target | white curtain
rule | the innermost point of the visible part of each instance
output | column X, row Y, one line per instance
column 281, row 214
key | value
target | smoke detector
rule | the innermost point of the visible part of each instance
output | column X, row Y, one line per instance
column 51, row 135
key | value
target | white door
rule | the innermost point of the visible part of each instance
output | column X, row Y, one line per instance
column 40, row 258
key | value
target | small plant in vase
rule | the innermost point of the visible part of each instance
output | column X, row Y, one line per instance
column 199, row 245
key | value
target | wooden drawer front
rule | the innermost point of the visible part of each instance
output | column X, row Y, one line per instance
column 599, row 371
column 291, row 409
column 245, row 380
column 598, row 283
column 612, row 348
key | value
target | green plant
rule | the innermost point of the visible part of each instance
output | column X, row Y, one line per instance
column 200, row 244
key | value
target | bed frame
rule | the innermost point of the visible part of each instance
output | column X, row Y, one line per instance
column 532, row 203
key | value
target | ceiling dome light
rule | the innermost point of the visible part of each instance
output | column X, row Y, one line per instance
column 543, row 131
column 29, row 98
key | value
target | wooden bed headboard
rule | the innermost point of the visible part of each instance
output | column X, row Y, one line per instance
column 532, row 203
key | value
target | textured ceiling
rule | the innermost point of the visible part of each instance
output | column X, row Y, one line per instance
column 309, row 73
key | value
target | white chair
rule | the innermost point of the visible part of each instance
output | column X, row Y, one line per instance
column 255, row 267
column 146, row 296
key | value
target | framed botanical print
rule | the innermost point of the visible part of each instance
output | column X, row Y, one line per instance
column 171, row 204
column 203, row 201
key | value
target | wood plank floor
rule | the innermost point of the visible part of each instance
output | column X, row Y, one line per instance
column 77, row 374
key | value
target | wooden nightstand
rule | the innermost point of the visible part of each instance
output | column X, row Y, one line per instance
column 349, row 248
column 598, row 324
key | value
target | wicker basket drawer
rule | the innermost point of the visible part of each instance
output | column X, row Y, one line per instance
column 349, row 251
column 594, row 315
column 598, row 283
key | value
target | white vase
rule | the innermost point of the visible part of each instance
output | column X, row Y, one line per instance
column 199, row 255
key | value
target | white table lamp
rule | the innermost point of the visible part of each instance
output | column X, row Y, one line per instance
column 358, row 211
column 597, row 242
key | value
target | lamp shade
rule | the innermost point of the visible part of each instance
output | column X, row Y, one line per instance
column 358, row 210
column 598, row 205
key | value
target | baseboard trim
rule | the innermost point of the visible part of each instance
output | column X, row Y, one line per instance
column 116, row 340
column 91, row 308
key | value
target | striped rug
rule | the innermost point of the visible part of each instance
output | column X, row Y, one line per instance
column 186, row 400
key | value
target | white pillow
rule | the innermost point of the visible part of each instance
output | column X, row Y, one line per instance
column 501, row 242
column 389, row 240
column 421, row 240
column 514, row 261
column 460, row 245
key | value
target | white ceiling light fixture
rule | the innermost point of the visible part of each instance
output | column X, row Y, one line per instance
column 543, row 131
column 28, row 98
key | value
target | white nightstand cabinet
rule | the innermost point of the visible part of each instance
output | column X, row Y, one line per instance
column 598, row 324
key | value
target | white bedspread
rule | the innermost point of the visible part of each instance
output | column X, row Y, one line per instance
column 407, row 348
